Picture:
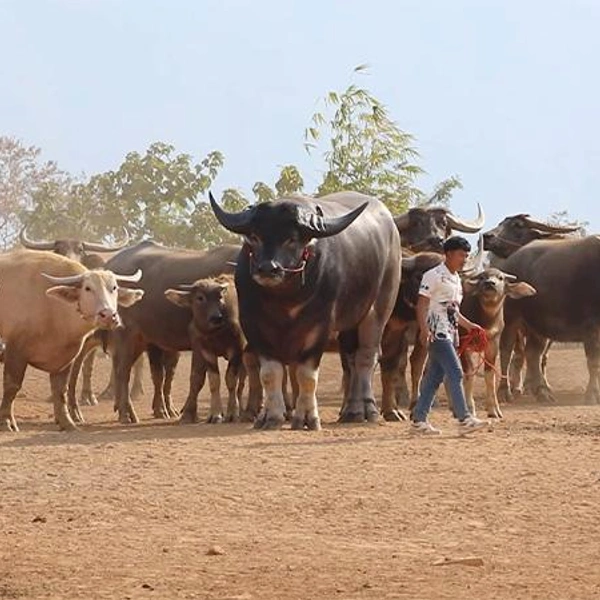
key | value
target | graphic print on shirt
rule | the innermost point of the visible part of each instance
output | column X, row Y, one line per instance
column 444, row 290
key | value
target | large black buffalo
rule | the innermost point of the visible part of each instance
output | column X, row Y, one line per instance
column 510, row 235
column 307, row 269
column 566, row 307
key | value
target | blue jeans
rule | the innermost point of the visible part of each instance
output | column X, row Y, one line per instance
column 443, row 362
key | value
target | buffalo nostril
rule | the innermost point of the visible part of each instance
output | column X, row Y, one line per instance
column 269, row 268
column 217, row 319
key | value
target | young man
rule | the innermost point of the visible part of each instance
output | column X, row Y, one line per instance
column 438, row 314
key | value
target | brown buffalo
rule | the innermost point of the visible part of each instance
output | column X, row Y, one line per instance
column 214, row 332
column 48, row 306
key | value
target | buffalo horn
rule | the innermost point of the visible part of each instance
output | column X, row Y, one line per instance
column 467, row 226
column 235, row 222
column 550, row 228
column 95, row 247
column 318, row 226
column 34, row 245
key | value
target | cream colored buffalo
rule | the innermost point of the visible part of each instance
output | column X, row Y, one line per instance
column 49, row 304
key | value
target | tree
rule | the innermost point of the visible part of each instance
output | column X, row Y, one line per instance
column 22, row 176
column 368, row 152
column 563, row 219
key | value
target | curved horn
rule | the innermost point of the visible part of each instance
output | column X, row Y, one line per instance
column 68, row 280
column 129, row 278
column 235, row 222
column 95, row 247
column 467, row 226
column 402, row 221
column 32, row 245
column 509, row 276
column 550, row 228
column 318, row 226
column 474, row 265
column 186, row 287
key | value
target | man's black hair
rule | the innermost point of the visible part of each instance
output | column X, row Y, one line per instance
column 457, row 243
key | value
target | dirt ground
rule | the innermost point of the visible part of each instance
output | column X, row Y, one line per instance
column 349, row 512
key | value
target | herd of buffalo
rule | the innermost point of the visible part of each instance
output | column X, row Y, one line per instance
column 313, row 275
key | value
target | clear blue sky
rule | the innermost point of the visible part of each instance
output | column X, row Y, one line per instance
column 505, row 94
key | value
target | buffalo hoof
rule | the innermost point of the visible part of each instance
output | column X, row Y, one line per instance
column 9, row 424
column 266, row 421
column 88, row 398
column 352, row 415
column 248, row 416
column 495, row 413
column 371, row 412
column 160, row 413
column 505, row 395
column 232, row 418
column 188, row 417
column 128, row 417
column 66, row 424
column 545, row 396
column 402, row 397
column 394, row 416
column 310, row 423
column 76, row 415
column 214, row 419
column 172, row 412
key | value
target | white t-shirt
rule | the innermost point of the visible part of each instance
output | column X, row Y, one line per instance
column 444, row 290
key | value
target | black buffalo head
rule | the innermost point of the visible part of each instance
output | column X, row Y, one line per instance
column 519, row 230
column 426, row 229
column 280, row 235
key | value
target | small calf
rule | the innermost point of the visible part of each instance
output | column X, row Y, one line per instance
column 483, row 303
column 214, row 332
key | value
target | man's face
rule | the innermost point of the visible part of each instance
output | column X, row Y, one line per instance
column 456, row 259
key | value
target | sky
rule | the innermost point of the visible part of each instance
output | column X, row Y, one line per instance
column 505, row 94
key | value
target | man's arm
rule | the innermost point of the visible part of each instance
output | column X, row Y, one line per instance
column 466, row 324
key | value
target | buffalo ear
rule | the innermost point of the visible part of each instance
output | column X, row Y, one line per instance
column 128, row 297
column 520, row 290
column 64, row 293
column 469, row 285
column 183, row 299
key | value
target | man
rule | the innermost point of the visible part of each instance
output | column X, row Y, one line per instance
column 438, row 314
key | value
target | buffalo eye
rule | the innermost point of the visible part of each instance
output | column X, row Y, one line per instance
column 87, row 288
column 253, row 239
column 200, row 298
column 114, row 288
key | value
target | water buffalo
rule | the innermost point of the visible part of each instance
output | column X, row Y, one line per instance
column 48, row 305
column 87, row 254
column 426, row 229
column 483, row 303
column 511, row 234
column 565, row 308
column 305, row 270
column 155, row 322
column 214, row 332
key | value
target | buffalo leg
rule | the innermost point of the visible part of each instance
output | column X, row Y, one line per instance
column 272, row 416
column 306, row 413
column 508, row 340
column 215, row 412
column 592, row 353
column 534, row 348
column 125, row 353
column 14, row 372
column 170, row 361
column 361, row 405
column 491, row 399
column 515, row 373
column 232, row 377
column 58, row 383
column 189, row 412
column 137, row 387
column 87, row 394
column 157, row 372
column 418, row 358
column 89, row 347
column 255, row 391
column 289, row 376
column 391, row 348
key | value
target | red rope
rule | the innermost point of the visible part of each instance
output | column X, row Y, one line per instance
column 476, row 341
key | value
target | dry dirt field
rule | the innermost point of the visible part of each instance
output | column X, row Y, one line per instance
column 352, row 512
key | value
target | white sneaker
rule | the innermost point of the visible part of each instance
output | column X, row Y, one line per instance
column 471, row 425
column 424, row 428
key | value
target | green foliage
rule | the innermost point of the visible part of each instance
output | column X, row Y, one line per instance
column 22, row 176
